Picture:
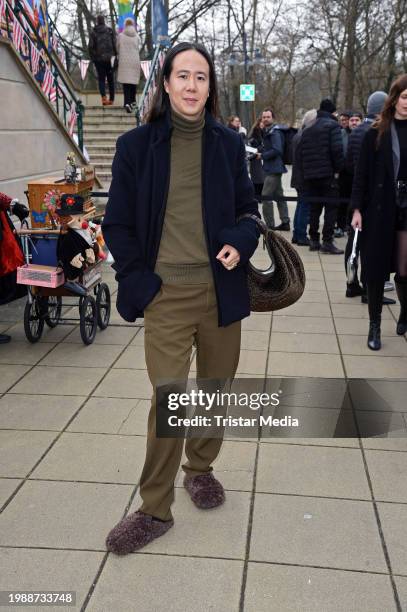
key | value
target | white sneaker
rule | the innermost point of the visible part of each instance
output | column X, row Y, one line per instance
column 388, row 286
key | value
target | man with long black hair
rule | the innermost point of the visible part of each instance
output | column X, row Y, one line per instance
column 180, row 184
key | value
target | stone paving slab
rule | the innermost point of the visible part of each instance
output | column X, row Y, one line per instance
column 377, row 367
column 300, row 309
column 310, row 365
column 63, row 515
column 310, row 325
column 393, row 519
column 126, row 384
column 298, row 342
column 401, row 584
column 59, row 380
column 10, row 374
column 46, row 412
column 93, row 458
column 20, row 450
column 132, row 357
column 162, row 583
column 373, row 426
column 112, row 416
column 7, row 487
column 333, row 533
column 49, row 570
column 307, row 589
column 319, row 471
column 22, row 353
column 81, row 356
column 388, row 474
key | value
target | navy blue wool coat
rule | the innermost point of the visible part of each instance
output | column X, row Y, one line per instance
column 135, row 212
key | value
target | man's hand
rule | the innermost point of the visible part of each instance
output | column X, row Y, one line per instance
column 228, row 256
column 357, row 220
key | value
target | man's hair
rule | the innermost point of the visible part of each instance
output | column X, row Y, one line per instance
column 327, row 105
column 268, row 109
column 161, row 101
column 356, row 114
column 100, row 20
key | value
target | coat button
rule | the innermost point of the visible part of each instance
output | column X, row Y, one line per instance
column 380, row 185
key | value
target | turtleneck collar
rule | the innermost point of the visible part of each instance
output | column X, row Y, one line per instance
column 187, row 127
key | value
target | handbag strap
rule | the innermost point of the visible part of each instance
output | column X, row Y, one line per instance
column 261, row 225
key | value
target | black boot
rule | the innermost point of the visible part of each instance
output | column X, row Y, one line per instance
column 401, row 288
column 373, row 339
column 375, row 303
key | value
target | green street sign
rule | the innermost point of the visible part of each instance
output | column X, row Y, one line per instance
column 247, row 93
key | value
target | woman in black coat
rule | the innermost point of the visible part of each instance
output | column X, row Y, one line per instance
column 379, row 202
column 172, row 223
column 256, row 167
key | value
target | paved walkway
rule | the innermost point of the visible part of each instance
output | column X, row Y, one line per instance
column 308, row 525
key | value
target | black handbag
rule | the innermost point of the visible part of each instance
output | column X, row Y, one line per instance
column 283, row 282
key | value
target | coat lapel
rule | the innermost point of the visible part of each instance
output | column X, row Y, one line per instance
column 161, row 152
column 210, row 143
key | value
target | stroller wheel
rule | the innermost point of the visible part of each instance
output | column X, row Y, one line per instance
column 53, row 309
column 88, row 319
column 33, row 320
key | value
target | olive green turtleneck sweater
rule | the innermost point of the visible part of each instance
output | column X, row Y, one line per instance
column 183, row 255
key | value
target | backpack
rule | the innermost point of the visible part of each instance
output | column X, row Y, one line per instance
column 288, row 135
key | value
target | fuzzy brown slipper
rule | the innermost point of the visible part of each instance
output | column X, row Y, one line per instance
column 205, row 491
column 135, row 531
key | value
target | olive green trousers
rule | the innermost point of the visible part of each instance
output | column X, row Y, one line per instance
column 180, row 316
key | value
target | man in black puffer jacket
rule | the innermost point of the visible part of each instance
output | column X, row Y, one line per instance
column 102, row 47
column 320, row 158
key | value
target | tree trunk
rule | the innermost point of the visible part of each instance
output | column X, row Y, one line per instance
column 149, row 33
column 351, row 19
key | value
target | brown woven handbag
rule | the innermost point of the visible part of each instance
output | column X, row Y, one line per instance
column 283, row 282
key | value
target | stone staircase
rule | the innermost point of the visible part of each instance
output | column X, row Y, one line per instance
column 102, row 127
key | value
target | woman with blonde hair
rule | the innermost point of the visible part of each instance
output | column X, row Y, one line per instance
column 128, row 44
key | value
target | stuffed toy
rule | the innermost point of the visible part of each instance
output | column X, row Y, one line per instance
column 99, row 240
column 75, row 246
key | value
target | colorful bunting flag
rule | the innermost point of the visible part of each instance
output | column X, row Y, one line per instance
column 35, row 58
column 146, row 67
column 18, row 34
column 72, row 118
column 83, row 64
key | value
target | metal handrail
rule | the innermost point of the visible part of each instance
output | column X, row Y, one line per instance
column 62, row 90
